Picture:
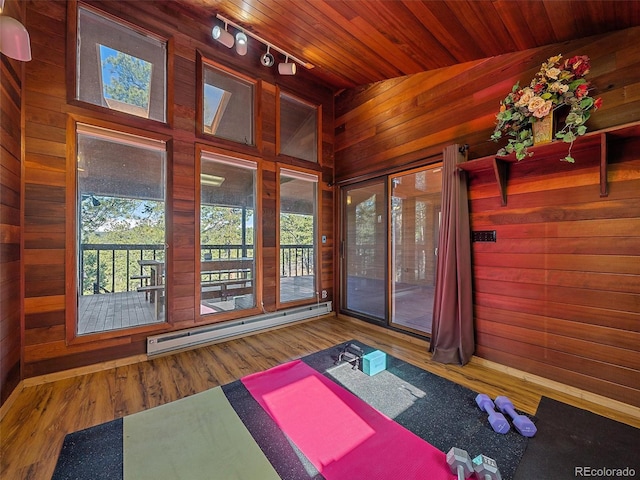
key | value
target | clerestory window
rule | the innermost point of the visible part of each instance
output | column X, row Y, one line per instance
column 227, row 104
column 120, row 68
column 298, row 123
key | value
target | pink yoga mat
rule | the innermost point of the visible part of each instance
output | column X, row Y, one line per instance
column 342, row 436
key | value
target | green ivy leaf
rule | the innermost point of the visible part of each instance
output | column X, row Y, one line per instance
column 569, row 137
column 582, row 129
column 573, row 85
column 569, row 159
column 586, row 103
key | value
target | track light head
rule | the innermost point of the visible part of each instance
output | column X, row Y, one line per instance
column 287, row 68
column 267, row 59
column 241, row 43
column 222, row 36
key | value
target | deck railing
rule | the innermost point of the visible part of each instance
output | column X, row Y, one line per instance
column 110, row 268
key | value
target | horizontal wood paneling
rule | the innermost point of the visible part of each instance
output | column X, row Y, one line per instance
column 357, row 42
column 390, row 124
column 47, row 110
column 558, row 293
column 11, row 95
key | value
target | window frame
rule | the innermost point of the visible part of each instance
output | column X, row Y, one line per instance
column 72, row 65
column 71, row 235
column 318, row 107
column 203, row 62
column 302, row 172
column 203, row 149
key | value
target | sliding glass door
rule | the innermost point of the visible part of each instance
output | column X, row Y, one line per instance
column 364, row 250
column 389, row 248
column 415, row 222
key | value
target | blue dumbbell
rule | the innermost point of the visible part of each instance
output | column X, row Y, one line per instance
column 496, row 419
column 521, row 423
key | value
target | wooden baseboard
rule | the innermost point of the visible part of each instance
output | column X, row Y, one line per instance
column 560, row 391
column 75, row 372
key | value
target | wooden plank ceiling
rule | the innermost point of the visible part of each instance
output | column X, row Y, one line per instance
column 357, row 42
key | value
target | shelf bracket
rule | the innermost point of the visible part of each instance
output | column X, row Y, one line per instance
column 604, row 185
column 501, row 171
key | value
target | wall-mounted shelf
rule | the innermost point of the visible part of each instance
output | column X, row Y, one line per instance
column 599, row 141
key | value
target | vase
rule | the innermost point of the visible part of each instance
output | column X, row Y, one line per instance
column 543, row 130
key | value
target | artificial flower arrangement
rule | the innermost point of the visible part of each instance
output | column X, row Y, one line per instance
column 558, row 83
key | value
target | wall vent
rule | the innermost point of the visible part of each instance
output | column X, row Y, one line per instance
column 182, row 339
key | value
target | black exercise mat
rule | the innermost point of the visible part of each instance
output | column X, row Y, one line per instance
column 93, row 453
column 439, row 411
column 571, row 440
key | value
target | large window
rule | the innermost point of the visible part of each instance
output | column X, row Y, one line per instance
column 298, row 128
column 227, row 109
column 121, row 182
column 297, row 222
column 227, row 234
column 120, row 68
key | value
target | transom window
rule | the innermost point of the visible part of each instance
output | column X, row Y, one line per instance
column 227, row 109
column 120, row 68
column 298, row 128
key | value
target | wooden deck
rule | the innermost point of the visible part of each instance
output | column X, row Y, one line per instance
column 114, row 311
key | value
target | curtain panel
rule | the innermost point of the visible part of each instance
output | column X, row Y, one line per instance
column 452, row 339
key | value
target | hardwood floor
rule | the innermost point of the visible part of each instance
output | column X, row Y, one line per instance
column 33, row 427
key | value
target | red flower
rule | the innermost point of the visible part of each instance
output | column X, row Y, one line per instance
column 581, row 90
column 579, row 64
column 597, row 104
column 538, row 87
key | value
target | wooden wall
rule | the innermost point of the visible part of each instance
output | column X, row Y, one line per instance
column 395, row 123
column 46, row 340
column 11, row 84
column 558, row 294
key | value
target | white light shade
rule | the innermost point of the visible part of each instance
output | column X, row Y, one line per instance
column 241, row 43
column 288, row 68
column 222, row 36
column 14, row 39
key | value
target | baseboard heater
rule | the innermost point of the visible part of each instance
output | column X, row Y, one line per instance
column 166, row 342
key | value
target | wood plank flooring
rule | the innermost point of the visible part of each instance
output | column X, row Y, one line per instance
column 33, row 427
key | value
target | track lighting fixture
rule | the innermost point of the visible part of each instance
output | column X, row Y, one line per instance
column 222, row 36
column 241, row 43
column 266, row 59
column 287, row 68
